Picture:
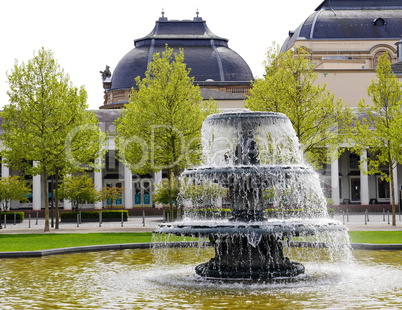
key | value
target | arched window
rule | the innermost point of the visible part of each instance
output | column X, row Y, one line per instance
column 377, row 56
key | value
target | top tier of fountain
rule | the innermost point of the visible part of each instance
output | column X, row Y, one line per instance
column 249, row 138
column 256, row 156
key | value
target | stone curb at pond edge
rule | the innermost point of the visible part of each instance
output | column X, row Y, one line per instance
column 124, row 246
column 372, row 246
column 94, row 248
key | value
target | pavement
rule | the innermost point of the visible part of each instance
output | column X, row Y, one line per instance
column 370, row 222
column 36, row 226
column 353, row 222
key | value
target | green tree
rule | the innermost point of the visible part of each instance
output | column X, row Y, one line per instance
column 79, row 190
column 110, row 194
column 46, row 123
column 288, row 87
column 162, row 192
column 13, row 188
column 378, row 128
column 203, row 195
column 161, row 126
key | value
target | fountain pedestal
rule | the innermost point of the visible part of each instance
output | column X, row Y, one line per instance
column 237, row 258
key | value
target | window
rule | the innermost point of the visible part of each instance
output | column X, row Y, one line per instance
column 112, row 163
column 377, row 56
column 355, row 189
column 353, row 161
column 383, row 189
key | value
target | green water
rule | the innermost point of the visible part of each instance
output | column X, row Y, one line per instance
column 134, row 279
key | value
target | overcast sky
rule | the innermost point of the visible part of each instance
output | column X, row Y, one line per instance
column 85, row 35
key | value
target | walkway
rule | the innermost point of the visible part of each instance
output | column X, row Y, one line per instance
column 353, row 221
column 371, row 221
column 36, row 226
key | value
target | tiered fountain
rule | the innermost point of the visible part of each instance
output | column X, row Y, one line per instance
column 256, row 156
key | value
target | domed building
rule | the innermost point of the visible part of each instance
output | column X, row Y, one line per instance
column 345, row 40
column 221, row 73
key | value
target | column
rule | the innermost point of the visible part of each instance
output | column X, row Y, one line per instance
column 128, row 184
column 5, row 171
column 396, row 187
column 158, row 181
column 67, row 205
column 36, row 192
column 364, row 184
column 98, row 186
column 335, row 182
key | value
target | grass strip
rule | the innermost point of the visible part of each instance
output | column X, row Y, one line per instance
column 376, row 237
column 35, row 242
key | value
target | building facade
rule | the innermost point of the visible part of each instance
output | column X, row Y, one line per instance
column 220, row 72
column 345, row 40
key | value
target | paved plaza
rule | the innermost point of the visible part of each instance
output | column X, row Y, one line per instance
column 353, row 221
column 36, row 226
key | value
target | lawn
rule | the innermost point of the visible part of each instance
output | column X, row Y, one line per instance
column 33, row 242
column 376, row 237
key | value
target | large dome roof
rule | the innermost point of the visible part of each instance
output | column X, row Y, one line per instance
column 359, row 19
column 208, row 55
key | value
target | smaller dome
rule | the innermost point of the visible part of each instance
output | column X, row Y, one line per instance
column 339, row 19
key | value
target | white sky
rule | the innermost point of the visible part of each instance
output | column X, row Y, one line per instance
column 85, row 35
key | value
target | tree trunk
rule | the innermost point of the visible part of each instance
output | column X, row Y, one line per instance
column 170, row 195
column 46, row 196
column 391, row 176
column 56, row 188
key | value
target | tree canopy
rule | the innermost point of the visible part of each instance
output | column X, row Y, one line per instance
column 13, row 188
column 110, row 194
column 47, row 129
column 378, row 126
column 160, row 128
column 288, row 87
column 79, row 189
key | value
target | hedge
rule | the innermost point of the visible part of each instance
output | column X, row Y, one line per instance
column 19, row 216
column 204, row 213
column 208, row 213
column 107, row 215
column 288, row 213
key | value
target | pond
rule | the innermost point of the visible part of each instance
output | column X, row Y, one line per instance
column 165, row 279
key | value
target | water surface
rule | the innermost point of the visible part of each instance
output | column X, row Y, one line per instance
column 138, row 279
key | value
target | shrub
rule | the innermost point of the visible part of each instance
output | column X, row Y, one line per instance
column 283, row 213
column 289, row 213
column 113, row 215
column 19, row 216
column 208, row 213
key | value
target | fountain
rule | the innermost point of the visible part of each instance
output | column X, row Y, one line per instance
column 256, row 158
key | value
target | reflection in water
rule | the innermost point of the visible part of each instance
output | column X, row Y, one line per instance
column 134, row 279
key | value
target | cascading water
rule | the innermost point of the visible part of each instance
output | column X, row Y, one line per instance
column 255, row 159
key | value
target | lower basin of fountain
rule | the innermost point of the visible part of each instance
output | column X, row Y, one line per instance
column 249, row 250
column 202, row 228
